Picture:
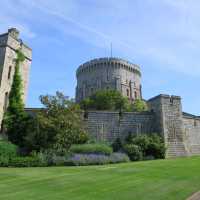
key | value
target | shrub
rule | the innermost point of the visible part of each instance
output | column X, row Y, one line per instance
column 25, row 162
column 96, row 159
column 134, row 152
column 91, row 149
column 151, row 146
column 51, row 157
column 156, row 150
column 7, row 151
column 117, row 145
column 119, row 158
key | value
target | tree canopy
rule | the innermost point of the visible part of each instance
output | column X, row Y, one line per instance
column 106, row 100
column 112, row 100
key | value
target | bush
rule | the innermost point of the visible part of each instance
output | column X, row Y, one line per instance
column 51, row 158
column 25, row 162
column 117, row 145
column 134, row 152
column 119, row 158
column 91, row 149
column 7, row 152
column 96, row 159
column 151, row 146
column 7, row 149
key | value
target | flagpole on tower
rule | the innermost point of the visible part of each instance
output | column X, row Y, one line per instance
column 111, row 50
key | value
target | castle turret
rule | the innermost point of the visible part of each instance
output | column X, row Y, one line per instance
column 108, row 73
column 9, row 44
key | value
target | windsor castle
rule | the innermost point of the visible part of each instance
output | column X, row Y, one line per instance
column 180, row 130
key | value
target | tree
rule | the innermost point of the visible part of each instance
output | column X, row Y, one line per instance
column 139, row 106
column 106, row 100
column 59, row 124
column 15, row 117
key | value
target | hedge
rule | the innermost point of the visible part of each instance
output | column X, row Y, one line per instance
column 91, row 149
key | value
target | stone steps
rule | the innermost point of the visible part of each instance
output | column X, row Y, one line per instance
column 195, row 150
column 176, row 149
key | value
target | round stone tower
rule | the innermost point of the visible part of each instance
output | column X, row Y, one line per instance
column 108, row 73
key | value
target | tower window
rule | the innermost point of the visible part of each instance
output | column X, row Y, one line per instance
column 135, row 95
column 127, row 92
column 9, row 72
column 5, row 101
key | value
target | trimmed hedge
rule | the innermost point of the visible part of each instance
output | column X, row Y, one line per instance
column 25, row 162
column 91, row 149
column 96, row 159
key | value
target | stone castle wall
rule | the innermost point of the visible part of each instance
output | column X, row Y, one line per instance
column 191, row 126
column 108, row 73
column 181, row 131
column 107, row 126
column 9, row 43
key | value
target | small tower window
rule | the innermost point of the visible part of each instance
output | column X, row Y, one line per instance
column 9, row 72
column 5, row 101
column 136, row 95
column 127, row 92
column 92, row 90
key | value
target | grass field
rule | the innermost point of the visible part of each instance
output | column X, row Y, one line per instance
column 156, row 180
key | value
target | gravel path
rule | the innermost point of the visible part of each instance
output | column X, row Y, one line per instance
column 195, row 196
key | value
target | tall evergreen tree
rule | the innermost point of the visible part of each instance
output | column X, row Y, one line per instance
column 15, row 114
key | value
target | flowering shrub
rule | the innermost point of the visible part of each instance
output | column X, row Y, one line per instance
column 96, row 159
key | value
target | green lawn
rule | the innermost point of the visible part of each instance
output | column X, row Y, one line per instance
column 156, row 180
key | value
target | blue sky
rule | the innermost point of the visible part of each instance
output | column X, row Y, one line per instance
column 162, row 36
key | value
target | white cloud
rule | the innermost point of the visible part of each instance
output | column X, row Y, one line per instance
column 165, row 32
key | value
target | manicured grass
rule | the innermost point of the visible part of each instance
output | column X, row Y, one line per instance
column 151, row 180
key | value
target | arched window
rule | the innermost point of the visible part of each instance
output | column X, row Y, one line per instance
column 9, row 71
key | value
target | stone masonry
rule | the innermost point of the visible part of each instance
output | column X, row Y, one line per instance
column 108, row 73
column 9, row 43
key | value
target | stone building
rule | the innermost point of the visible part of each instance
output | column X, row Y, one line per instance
column 108, row 73
column 180, row 130
column 9, row 43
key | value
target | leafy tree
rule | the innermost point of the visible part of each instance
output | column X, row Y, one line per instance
column 59, row 124
column 106, row 100
column 139, row 106
column 15, row 117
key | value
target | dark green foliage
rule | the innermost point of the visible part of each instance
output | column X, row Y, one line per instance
column 117, row 145
column 58, row 125
column 25, row 162
column 133, row 151
column 150, row 145
column 91, row 149
column 8, row 149
column 15, row 119
column 106, row 100
column 7, row 152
